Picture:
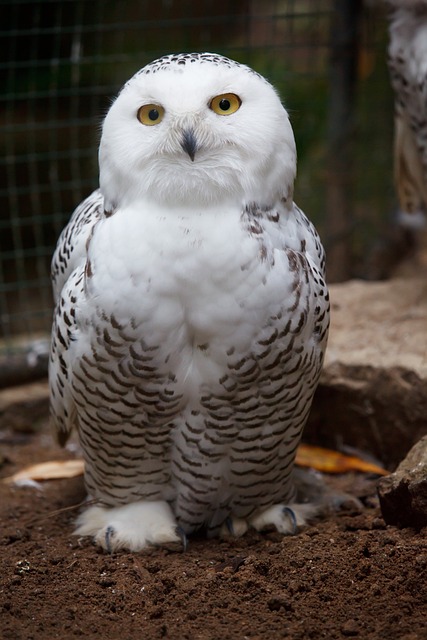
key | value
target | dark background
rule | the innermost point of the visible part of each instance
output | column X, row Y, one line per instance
column 63, row 62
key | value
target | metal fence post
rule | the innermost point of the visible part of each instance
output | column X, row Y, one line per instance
column 345, row 28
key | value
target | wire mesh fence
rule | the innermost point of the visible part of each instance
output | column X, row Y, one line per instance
column 64, row 60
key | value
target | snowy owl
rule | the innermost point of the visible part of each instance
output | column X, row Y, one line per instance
column 192, row 313
column 408, row 71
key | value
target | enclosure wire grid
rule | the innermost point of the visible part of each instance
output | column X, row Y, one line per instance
column 63, row 63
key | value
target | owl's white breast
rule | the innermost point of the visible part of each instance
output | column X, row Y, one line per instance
column 188, row 279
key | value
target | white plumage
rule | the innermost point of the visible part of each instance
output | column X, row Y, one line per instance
column 192, row 312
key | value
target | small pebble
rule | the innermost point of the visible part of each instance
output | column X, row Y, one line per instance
column 106, row 582
column 378, row 523
column 350, row 628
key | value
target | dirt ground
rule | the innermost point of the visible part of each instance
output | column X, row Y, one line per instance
column 349, row 576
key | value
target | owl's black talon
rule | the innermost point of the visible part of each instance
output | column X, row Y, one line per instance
column 292, row 517
column 230, row 527
column 183, row 537
column 108, row 534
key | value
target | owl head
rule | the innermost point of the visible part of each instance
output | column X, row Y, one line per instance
column 196, row 130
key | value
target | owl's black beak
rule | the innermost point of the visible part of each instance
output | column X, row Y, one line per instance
column 189, row 143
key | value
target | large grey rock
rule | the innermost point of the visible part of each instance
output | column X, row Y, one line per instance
column 373, row 390
column 403, row 494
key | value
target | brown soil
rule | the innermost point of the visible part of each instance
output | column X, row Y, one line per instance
column 347, row 576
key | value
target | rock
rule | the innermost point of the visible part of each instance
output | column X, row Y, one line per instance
column 373, row 390
column 350, row 628
column 403, row 494
column 24, row 407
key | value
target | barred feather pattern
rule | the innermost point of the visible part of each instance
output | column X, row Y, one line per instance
column 209, row 417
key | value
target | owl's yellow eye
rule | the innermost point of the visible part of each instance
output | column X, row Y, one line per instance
column 151, row 114
column 225, row 104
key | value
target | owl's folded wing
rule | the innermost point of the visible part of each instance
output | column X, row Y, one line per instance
column 71, row 248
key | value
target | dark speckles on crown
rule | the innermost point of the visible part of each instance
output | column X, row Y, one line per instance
column 175, row 61
column 181, row 59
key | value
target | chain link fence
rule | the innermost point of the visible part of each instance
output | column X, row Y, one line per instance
column 62, row 63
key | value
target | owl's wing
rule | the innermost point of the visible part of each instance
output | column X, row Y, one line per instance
column 288, row 228
column 64, row 333
column 312, row 243
column 71, row 247
column 68, row 266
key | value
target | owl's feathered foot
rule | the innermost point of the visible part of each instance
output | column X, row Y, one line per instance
column 134, row 526
column 235, row 527
column 286, row 519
